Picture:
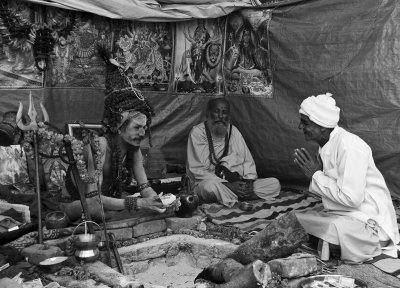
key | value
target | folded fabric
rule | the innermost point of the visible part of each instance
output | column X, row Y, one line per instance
column 387, row 264
column 7, row 223
column 18, row 216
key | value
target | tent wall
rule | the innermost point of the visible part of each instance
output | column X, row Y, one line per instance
column 348, row 48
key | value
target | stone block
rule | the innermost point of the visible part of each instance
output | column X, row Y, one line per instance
column 149, row 227
column 39, row 252
column 121, row 233
column 294, row 266
column 176, row 223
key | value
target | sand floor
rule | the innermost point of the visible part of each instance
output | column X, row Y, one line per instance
column 178, row 272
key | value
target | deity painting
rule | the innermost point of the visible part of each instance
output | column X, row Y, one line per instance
column 198, row 56
column 247, row 55
column 13, row 165
column 75, row 61
column 145, row 52
column 17, row 62
column 55, row 172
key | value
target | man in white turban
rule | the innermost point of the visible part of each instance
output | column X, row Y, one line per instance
column 358, row 213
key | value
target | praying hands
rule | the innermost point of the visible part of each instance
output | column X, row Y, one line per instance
column 308, row 164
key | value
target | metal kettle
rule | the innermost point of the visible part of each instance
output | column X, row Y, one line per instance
column 86, row 245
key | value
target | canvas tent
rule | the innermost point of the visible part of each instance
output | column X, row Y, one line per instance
column 349, row 48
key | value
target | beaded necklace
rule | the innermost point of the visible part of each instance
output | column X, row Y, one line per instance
column 214, row 160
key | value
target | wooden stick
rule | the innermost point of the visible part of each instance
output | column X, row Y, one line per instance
column 35, row 144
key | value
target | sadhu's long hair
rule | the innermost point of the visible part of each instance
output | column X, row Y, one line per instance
column 122, row 100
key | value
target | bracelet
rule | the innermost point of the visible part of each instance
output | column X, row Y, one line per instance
column 143, row 186
column 91, row 194
column 131, row 203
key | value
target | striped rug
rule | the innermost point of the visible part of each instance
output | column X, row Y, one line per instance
column 396, row 204
column 263, row 210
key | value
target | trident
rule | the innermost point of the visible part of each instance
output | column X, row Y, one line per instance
column 33, row 126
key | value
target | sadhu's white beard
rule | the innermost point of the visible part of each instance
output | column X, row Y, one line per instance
column 219, row 130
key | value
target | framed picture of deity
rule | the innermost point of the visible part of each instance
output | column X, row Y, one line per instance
column 82, row 131
column 55, row 171
column 144, row 50
column 247, row 64
column 198, row 56
column 17, row 62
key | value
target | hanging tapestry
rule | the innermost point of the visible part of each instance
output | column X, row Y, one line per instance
column 145, row 52
column 17, row 62
column 198, row 55
column 247, row 65
column 75, row 61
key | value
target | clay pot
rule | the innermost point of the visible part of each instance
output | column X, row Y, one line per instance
column 189, row 204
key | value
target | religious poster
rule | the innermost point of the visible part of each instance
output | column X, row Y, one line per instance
column 247, row 65
column 198, row 56
column 75, row 61
column 144, row 51
column 55, row 172
column 17, row 62
column 13, row 165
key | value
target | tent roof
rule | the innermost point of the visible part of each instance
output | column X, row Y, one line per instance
column 152, row 10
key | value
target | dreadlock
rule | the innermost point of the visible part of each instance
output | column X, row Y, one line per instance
column 122, row 100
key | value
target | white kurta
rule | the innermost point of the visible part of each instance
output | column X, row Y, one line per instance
column 239, row 159
column 350, row 185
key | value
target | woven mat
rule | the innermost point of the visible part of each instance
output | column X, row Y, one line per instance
column 263, row 211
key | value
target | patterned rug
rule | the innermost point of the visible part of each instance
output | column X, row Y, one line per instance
column 263, row 211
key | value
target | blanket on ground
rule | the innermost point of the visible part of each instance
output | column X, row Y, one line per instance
column 263, row 211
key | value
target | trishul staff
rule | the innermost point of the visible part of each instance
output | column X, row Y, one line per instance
column 33, row 126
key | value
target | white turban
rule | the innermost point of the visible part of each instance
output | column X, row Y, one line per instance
column 321, row 109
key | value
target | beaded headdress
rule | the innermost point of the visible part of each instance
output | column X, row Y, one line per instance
column 122, row 99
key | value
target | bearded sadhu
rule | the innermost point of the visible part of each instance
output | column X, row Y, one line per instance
column 219, row 163
column 127, row 116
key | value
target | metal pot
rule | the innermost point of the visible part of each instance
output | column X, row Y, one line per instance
column 86, row 245
column 53, row 264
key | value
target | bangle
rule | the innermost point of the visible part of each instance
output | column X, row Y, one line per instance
column 131, row 203
column 91, row 194
column 143, row 186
